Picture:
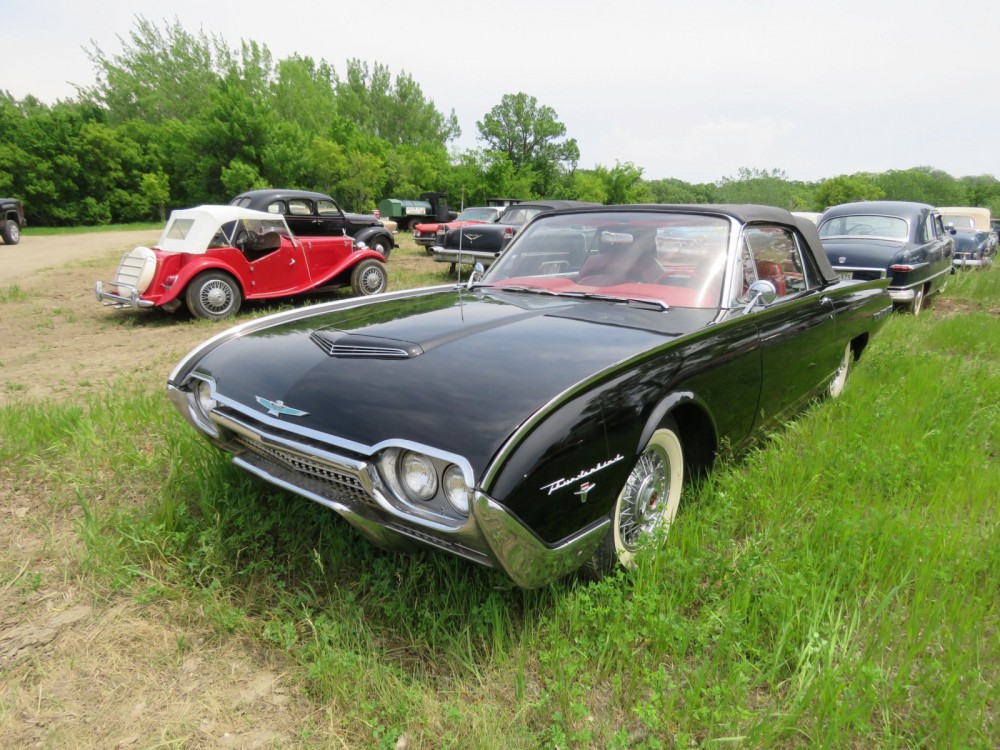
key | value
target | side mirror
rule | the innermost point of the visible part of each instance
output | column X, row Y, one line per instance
column 476, row 275
column 761, row 292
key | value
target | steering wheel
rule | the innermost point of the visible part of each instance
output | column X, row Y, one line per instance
column 861, row 229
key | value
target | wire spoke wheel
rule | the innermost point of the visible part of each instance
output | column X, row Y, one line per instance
column 213, row 295
column 216, row 297
column 646, row 505
column 644, row 498
column 369, row 277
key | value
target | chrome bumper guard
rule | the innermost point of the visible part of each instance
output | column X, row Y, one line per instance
column 118, row 299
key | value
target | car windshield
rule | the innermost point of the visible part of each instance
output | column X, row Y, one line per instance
column 888, row 227
column 518, row 215
column 962, row 223
column 668, row 259
column 478, row 214
column 241, row 231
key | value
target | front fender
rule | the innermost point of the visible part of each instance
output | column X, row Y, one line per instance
column 367, row 234
column 345, row 266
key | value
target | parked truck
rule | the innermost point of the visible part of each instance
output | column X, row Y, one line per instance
column 11, row 220
column 432, row 207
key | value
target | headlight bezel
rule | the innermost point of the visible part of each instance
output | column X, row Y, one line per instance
column 388, row 474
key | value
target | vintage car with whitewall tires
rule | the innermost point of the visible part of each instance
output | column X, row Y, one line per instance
column 975, row 240
column 311, row 214
column 902, row 241
column 483, row 243
column 653, row 336
column 212, row 258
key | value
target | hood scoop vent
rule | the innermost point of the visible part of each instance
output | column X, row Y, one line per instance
column 354, row 346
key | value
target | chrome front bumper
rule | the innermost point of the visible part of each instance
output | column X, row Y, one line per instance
column 490, row 535
column 117, row 299
column 971, row 262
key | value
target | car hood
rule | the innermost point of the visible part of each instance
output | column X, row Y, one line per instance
column 866, row 251
column 455, row 369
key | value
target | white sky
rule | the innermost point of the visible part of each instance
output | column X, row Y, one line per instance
column 691, row 90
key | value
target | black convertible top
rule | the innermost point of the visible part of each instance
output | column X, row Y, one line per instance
column 747, row 213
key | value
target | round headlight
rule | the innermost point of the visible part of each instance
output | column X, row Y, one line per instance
column 456, row 490
column 418, row 476
column 206, row 403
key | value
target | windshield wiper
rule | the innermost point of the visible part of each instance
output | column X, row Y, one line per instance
column 657, row 303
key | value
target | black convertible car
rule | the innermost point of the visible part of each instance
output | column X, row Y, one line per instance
column 613, row 351
column 902, row 241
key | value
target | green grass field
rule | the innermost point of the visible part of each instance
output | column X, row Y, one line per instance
column 837, row 587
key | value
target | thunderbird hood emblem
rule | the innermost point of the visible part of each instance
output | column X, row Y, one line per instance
column 277, row 408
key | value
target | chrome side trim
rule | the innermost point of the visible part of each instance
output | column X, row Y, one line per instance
column 910, row 287
column 522, row 555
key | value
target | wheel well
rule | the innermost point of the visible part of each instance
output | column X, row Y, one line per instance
column 858, row 345
column 697, row 436
column 232, row 277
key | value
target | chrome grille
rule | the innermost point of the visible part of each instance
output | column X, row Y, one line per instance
column 338, row 481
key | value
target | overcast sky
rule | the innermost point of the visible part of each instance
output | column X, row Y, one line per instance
column 690, row 90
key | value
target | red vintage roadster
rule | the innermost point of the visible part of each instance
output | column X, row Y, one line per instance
column 211, row 258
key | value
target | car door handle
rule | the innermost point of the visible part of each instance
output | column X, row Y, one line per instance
column 826, row 301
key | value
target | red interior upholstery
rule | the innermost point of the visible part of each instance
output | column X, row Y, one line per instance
column 771, row 271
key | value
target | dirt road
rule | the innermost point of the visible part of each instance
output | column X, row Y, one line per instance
column 25, row 261
column 55, row 338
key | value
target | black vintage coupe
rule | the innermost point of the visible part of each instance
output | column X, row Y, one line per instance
column 902, row 241
column 310, row 214
column 482, row 243
column 613, row 350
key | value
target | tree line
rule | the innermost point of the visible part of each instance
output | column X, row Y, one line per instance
column 179, row 119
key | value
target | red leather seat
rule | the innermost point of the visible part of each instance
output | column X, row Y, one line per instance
column 770, row 271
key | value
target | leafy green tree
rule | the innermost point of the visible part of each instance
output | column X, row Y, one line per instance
column 846, row 189
column 238, row 176
column 360, row 187
column 411, row 170
column 766, row 187
column 155, row 191
column 980, row 190
column 672, row 190
column 395, row 111
column 587, row 185
column 530, row 137
column 160, row 74
column 921, row 184
column 624, row 184
column 303, row 94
